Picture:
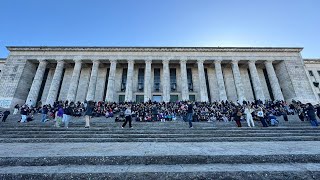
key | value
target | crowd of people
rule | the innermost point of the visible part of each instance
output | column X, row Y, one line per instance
column 265, row 112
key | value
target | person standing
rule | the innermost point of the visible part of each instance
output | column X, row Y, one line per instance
column 190, row 114
column 237, row 117
column 128, row 116
column 249, row 118
column 312, row 115
column 5, row 115
column 88, row 114
column 16, row 109
column 260, row 115
column 59, row 115
column 44, row 113
column 24, row 113
column 67, row 112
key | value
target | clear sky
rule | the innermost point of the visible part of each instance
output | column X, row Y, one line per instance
column 290, row 23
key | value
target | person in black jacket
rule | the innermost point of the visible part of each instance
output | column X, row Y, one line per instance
column 5, row 115
column 312, row 115
column 89, row 112
column 67, row 112
column 190, row 114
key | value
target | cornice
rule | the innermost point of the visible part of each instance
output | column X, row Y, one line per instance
column 154, row 49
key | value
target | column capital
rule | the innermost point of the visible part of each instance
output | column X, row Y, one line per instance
column 268, row 62
column 252, row 62
column 234, row 61
column 113, row 61
column 77, row 61
column 200, row 61
column 148, row 61
column 96, row 61
column 183, row 60
column 43, row 61
column 130, row 61
column 60, row 62
column 165, row 61
column 217, row 61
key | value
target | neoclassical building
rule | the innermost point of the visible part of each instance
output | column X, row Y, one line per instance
column 115, row 74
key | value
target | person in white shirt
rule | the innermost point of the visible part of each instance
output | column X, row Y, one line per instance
column 127, row 114
column 249, row 118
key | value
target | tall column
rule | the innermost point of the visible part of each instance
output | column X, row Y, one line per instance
column 72, row 92
column 54, row 87
column 184, row 80
column 93, row 80
column 238, row 81
column 129, row 93
column 147, row 81
column 221, row 86
column 202, row 82
column 256, row 81
column 111, row 81
column 166, row 81
column 275, row 86
column 36, row 84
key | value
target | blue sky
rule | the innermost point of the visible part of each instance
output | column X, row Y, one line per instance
column 290, row 23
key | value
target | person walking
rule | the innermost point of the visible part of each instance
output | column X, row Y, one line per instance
column 312, row 115
column 128, row 115
column 88, row 114
column 249, row 118
column 190, row 114
column 5, row 115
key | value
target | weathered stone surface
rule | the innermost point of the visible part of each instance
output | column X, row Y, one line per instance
column 54, row 87
column 288, row 67
column 256, row 83
column 36, row 84
column 219, row 75
column 72, row 91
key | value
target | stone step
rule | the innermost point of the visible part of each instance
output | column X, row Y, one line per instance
column 145, row 135
column 53, row 139
column 178, row 171
column 163, row 160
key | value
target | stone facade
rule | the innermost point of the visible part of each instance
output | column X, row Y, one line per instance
column 2, row 62
column 312, row 67
column 32, row 74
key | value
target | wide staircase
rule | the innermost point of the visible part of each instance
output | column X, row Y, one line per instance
column 158, row 150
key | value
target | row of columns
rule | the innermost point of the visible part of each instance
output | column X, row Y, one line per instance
column 110, row 94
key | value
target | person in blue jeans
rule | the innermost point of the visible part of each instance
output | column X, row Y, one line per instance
column 312, row 115
column 190, row 114
column 44, row 113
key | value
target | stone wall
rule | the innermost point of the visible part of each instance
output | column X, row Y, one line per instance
column 15, row 71
column 300, row 82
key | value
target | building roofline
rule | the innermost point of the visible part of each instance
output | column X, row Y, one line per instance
column 151, row 48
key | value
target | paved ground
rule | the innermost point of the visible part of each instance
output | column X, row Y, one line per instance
column 157, row 148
